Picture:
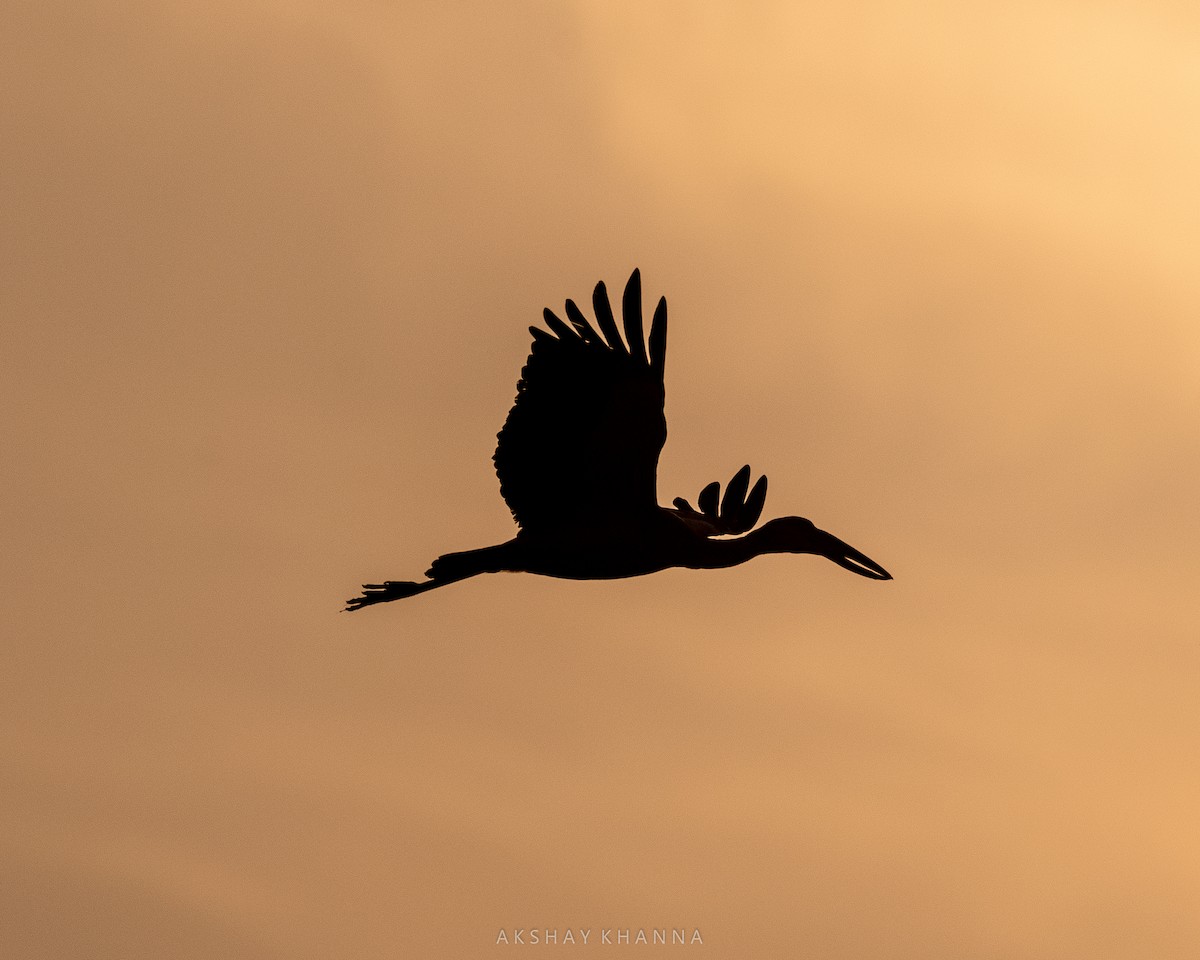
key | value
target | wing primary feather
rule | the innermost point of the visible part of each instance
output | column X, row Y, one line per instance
column 554, row 323
column 540, row 334
column 575, row 315
column 735, row 496
column 708, row 499
column 658, row 337
column 631, row 311
column 605, row 319
column 754, row 503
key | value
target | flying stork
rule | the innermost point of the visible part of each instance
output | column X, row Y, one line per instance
column 577, row 459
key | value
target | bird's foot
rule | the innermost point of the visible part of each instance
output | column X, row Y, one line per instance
column 382, row 592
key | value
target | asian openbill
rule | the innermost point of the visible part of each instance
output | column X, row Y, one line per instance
column 577, row 459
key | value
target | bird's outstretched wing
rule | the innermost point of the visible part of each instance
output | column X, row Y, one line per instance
column 736, row 512
column 582, row 441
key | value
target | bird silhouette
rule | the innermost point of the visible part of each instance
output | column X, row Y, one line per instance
column 577, row 459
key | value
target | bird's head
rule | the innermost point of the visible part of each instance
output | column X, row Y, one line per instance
column 799, row 535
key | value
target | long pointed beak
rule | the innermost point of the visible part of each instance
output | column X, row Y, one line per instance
column 846, row 556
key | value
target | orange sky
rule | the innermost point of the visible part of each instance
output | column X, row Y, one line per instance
column 268, row 272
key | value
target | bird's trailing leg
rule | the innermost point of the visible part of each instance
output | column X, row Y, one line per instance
column 446, row 569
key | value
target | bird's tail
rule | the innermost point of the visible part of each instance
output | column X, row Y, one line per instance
column 446, row 569
column 468, row 563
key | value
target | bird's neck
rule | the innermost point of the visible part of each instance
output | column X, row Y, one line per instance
column 729, row 553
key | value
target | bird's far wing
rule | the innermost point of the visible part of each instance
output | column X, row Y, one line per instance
column 583, row 438
column 736, row 512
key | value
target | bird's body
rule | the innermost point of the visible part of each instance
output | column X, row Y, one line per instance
column 595, row 553
column 577, row 459
column 605, row 552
